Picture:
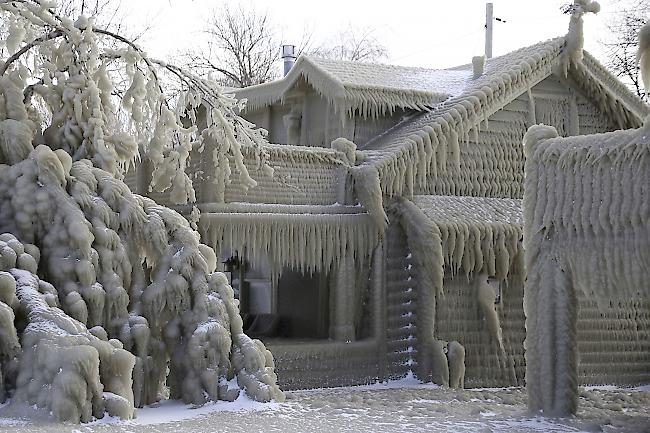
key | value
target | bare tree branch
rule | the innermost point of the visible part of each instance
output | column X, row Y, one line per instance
column 353, row 44
column 244, row 45
column 621, row 45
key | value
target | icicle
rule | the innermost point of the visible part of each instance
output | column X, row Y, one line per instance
column 302, row 241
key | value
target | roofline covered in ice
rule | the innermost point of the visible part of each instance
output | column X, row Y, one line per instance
column 345, row 97
column 403, row 157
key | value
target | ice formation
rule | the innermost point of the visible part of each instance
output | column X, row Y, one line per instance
column 448, row 235
column 586, row 214
column 287, row 237
column 643, row 55
column 128, row 270
column 427, row 152
column 108, row 301
column 573, row 50
column 358, row 88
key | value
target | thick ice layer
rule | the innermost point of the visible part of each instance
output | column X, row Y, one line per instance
column 135, row 274
column 478, row 237
column 306, row 242
column 587, row 218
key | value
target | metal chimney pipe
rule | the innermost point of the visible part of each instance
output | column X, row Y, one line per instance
column 289, row 57
column 489, row 21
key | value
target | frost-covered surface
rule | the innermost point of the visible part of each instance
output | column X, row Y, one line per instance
column 297, row 237
column 587, row 218
column 108, row 301
column 291, row 175
column 402, row 160
column 406, row 158
column 364, row 89
column 381, row 408
column 475, row 237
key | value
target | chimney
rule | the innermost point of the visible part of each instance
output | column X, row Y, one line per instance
column 289, row 57
column 478, row 65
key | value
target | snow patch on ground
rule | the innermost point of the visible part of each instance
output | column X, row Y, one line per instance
column 396, row 406
column 174, row 410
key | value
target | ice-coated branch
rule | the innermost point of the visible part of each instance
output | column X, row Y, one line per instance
column 116, row 295
column 27, row 47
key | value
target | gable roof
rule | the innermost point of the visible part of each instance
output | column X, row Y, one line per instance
column 366, row 88
column 398, row 160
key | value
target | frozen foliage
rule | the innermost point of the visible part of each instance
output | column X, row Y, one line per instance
column 643, row 55
column 68, row 73
column 108, row 300
column 587, row 215
column 56, row 363
column 137, row 274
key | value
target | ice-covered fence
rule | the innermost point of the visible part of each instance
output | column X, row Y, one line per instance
column 297, row 175
column 587, row 227
column 292, row 175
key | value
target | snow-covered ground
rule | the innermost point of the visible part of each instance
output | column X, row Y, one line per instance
column 401, row 407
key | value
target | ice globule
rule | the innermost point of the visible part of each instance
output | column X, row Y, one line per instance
column 136, row 275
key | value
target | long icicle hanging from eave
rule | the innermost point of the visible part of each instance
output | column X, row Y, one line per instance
column 587, row 198
column 462, row 235
column 304, row 242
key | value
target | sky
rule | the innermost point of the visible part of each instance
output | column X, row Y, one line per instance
column 427, row 33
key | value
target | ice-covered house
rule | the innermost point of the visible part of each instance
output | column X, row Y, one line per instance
column 384, row 234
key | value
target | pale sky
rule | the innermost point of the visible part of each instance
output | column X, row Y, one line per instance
column 427, row 33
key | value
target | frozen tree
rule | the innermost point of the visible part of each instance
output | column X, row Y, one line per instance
column 243, row 47
column 353, row 44
column 109, row 301
column 621, row 44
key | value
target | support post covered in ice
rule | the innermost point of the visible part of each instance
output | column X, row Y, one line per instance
column 587, row 227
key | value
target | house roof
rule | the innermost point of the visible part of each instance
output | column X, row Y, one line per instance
column 401, row 158
column 366, row 88
column 456, row 210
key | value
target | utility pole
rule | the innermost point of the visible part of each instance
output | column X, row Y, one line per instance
column 489, row 22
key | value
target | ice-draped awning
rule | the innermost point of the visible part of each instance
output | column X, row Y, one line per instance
column 468, row 235
column 305, row 238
